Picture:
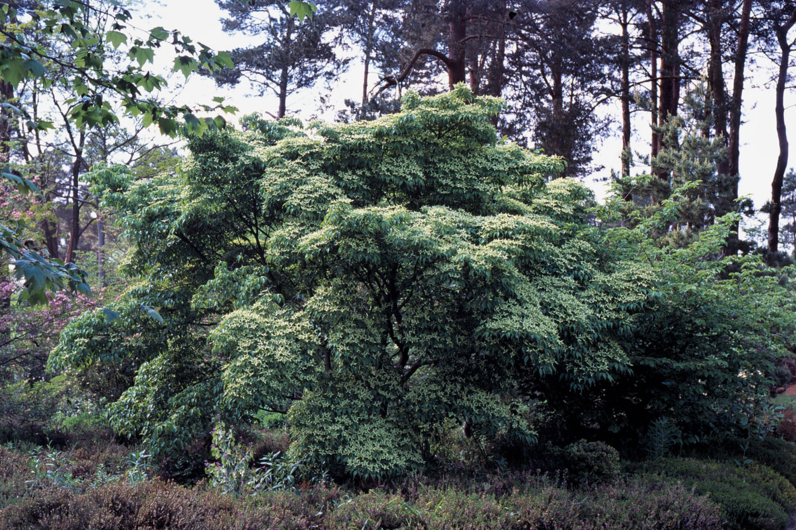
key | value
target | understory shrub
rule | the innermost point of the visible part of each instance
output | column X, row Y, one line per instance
column 753, row 496
column 625, row 505
column 590, row 462
column 153, row 505
column 776, row 453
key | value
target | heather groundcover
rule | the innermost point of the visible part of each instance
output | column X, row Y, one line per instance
column 100, row 488
column 95, row 482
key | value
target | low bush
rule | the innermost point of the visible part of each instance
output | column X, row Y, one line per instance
column 154, row 505
column 375, row 509
column 13, row 477
column 624, row 505
column 753, row 497
column 585, row 463
column 776, row 453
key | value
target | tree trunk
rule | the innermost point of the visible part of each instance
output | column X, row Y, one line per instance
column 669, row 91
column 736, row 106
column 737, row 89
column 74, row 222
column 457, row 33
column 782, row 136
column 368, row 52
column 284, row 75
column 625, row 97
column 653, row 49
column 6, row 125
column 496, row 72
column 100, row 257
column 716, row 18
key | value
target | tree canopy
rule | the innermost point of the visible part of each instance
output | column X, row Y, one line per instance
column 376, row 280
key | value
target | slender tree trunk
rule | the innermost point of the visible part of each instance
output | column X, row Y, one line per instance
column 782, row 136
column 368, row 52
column 653, row 50
column 716, row 18
column 625, row 97
column 737, row 89
column 284, row 75
column 457, row 56
column 50, row 229
column 496, row 71
column 6, row 125
column 736, row 106
column 669, row 91
column 74, row 222
column 100, row 257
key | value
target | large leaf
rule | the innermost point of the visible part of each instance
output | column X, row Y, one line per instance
column 302, row 10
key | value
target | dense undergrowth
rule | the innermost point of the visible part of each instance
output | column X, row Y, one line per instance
column 104, row 491
column 97, row 482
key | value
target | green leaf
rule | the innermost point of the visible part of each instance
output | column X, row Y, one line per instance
column 13, row 72
column 34, row 67
column 193, row 123
column 159, row 34
column 167, row 126
column 116, row 38
column 142, row 55
column 185, row 64
column 224, row 59
column 22, row 184
column 302, row 10
column 110, row 314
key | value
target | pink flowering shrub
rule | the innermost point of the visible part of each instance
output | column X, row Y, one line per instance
column 27, row 334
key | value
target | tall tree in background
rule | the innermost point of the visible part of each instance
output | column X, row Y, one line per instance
column 290, row 55
column 376, row 27
column 465, row 37
column 726, row 25
column 558, row 72
column 781, row 16
column 625, row 13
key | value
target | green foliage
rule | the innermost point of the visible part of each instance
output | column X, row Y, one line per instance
column 87, row 72
column 589, row 462
column 776, row 453
column 234, row 470
column 376, row 280
column 662, row 436
column 752, row 496
column 686, row 169
column 701, row 348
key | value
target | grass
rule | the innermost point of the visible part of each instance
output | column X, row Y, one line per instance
column 784, row 400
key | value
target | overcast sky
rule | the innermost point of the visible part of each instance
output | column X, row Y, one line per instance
column 200, row 19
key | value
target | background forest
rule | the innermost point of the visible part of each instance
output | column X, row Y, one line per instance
column 415, row 315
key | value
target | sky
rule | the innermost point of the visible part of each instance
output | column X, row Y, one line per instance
column 201, row 20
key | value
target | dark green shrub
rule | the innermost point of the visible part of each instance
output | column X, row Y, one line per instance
column 585, row 462
column 776, row 453
column 753, row 497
